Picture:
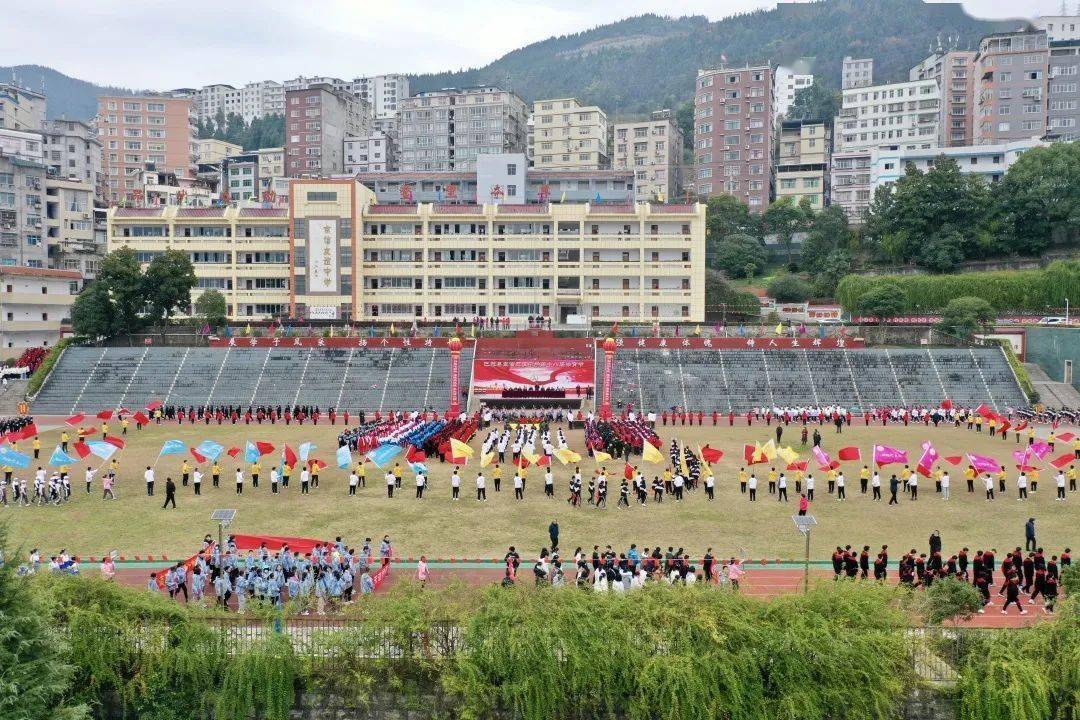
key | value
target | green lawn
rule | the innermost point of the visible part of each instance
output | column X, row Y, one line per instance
column 136, row 523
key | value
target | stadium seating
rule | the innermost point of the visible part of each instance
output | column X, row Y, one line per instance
column 89, row 378
column 738, row 380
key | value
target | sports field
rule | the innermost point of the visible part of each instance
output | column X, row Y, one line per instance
column 136, row 524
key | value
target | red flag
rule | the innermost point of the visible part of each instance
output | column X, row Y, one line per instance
column 455, row 459
column 122, row 412
column 946, row 404
column 1063, row 460
column 153, row 405
column 835, row 464
column 289, row 456
column 88, row 431
column 314, row 464
column 986, row 412
column 1026, row 468
column 522, row 462
column 1005, row 424
column 1021, row 426
column 27, row 432
column 1066, row 436
column 923, row 470
column 105, row 415
column 140, row 419
column 711, row 455
column 81, row 449
column 415, row 455
column 849, row 453
column 115, row 441
column 544, row 461
column 628, row 471
column 75, row 419
column 233, row 451
column 954, row 459
column 799, row 465
column 199, row 457
column 264, row 448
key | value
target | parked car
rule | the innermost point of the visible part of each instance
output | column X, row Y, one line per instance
column 1053, row 320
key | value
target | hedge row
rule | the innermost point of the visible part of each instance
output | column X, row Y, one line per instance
column 1005, row 291
column 46, row 366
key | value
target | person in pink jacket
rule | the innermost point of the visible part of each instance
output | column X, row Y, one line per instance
column 735, row 572
column 422, row 572
column 108, row 568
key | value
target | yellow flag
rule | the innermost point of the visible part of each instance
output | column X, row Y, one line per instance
column 531, row 457
column 779, row 328
column 769, row 450
column 697, row 330
column 486, row 459
column 567, row 456
column 682, row 461
column 759, row 453
column 513, row 426
column 331, row 331
column 650, row 454
column 392, row 329
column 472, row 331
column 460, row 449
column 600, row 456
column 789, row 456
column 247, row 330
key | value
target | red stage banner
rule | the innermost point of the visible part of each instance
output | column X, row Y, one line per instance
column 739, row 343
column 334, row 342
column 527, row 363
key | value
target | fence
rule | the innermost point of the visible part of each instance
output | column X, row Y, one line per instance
column 937, row 653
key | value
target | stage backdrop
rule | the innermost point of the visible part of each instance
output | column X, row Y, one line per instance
column 523, row 363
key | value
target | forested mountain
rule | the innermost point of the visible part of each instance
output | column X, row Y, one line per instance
column 647, row 62
column 643, row 63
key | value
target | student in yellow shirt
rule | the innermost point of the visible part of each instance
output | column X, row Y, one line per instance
column 215, row 473
column 398, row 472
column 832, row 480
column 285, row 473
column 772, row 479
column 798, row 480
column 864, row 479
column 1001, row 480
column 104, row 430
column 496, row 477
column 937, row 480
column 969, row 475
column 743, row 477
column 124, row 426
column 255, row 469
column 64, row 437
column 185, row 470
column 993, row 426
column 1034, row 477
column 1051, row 440
column 1031, row 435
column 978, row 423
column 114, row 466
column 1071, row 475
column 8, row 471
column 37, row 448
column 361, row 472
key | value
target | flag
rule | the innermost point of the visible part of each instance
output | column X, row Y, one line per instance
column 522, row 461
column 486, row 459
column 1066, row 436
column 848, row 454
column 769, row 450
column 59, row 457
column 821, row 456
column 102, row 449
column 1061, row 461
column 460, row 449
column 173, row 447
column 1021, row 456
column 885, row 455
column 88, row 431
column 600, row 456
column 779, row 329
column 418, row 467
column 710, row 455
column 1040, row 449
column 153, row 405
column 344, row 457
column 544, row 461
column 288, row 455
column 787, row 455
column 140, row 419
column 982, row 463
column 929, row 456
column 233, row 451
column 1021, row 426
column 530, row 456
column 264, row 448
column 81, row 449
column 415, row 455
column 210, row 449
column 316, row 465
column 946, row 404
column 628, row 471
column 251, row 453
column 115, row 441
column 954, row 460
column 105, row 415
column 798, row 465
column 985, row 411
column 199, row 457
column 383, row 454
column 306, row 448
column 650, row 454
column 682, row 461
column 455, row 459
column 567, row 456
column 923, row 470
column 14, row 459
column 75, row 419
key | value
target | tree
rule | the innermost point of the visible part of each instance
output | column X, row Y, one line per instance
column 1039, row 198
column 815, row 102
column 949, row 599
column 963, row 316
column 211, row 307
column 170, row 278
column 828, row 272
column 93, row 314
column 723, row 303
column 684, row 117
column 121, row 275
column 882, row 302
column 828, row 231
column 740, row 254
column 784, row 218
column 789, row 288
column 35, row 675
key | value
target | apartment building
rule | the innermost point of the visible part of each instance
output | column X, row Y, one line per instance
column 145, row 130
column 212, row 150
column 1010, row 90
column 567, row 135
column 35, row 306
column 318, row 120
column 21, row 109
column 1063, row 94
column 376, row 153
column 856, row 72
column 954, row 71
column 788, row 82
column 989, row 162
column 447, row 130
column 241, row 252
column 22, row 190
column 802, row 162
column 851, row 185
column 1058, row 27
column 906, row 114
column 73, row 151
column 651, row 149
column 70, row 227
column 733, row 134
column 382, row 92
column 259, row 99
column 239, row 177
column 271, row 168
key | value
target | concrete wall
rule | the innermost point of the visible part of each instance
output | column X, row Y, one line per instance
column 1050, row 347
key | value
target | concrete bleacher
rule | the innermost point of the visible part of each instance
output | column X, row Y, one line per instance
column 91, row 379
column 739, row 380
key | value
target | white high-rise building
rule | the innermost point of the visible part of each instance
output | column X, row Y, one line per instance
column 382, row 92
column 856, row 72
column 906, row 114
column 262, row 98
column 788, row 82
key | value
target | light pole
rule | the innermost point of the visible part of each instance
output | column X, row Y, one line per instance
column 803, row 523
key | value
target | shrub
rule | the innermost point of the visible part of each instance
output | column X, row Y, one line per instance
column 949, row 599
column 789, row 288
column 46, row 366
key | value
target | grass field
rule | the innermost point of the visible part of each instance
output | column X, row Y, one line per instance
column 136, row 523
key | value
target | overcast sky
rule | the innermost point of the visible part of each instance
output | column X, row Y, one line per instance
column 161, row 45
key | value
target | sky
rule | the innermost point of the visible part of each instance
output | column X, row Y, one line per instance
column 150, row 44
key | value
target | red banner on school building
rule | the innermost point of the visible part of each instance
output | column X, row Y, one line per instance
column 334, row 342
column 740, row 343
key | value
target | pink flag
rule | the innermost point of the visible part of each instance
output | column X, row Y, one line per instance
column 1040, row 449
column 982, row 463
column 821, row 456
column 929, row 456
column 885, row 455
column 1021, row 456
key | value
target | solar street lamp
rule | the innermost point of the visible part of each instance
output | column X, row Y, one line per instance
column 223, row 518
column 803, row 523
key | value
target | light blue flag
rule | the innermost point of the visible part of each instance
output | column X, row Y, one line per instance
column 173, row 447
column 251, row 453
column 14, row 459
column 419, row 467
column 304, row 450
column 210, row 449
column 59, row 457
column 102, row 449
column 344, row 457
column 383, row 454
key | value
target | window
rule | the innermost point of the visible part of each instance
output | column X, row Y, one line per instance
column 322, row 196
